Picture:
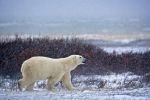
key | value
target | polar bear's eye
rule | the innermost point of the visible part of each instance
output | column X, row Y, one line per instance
column 80, row 57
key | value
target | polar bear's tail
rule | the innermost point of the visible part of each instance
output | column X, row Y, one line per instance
column 22, row 67
column 25, row 68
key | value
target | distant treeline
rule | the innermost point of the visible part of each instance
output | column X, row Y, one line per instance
column 14, row 52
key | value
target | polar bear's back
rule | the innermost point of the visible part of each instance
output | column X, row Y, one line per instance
column 42, row 67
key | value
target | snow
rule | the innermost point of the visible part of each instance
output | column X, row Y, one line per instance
column 137, row 94
column 125, row 86
column 120, row 49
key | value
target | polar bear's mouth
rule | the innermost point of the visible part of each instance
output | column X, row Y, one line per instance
column 84, row 60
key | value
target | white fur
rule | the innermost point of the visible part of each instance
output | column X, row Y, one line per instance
column 55, row 70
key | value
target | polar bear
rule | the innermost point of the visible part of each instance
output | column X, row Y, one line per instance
column 55, row 70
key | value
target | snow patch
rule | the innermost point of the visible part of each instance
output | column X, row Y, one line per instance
column 124, row 86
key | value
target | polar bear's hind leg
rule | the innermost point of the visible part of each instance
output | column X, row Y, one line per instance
column 26, row 83
column 52, row 81
column 30, row 87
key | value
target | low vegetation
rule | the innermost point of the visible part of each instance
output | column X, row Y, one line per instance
column 14, row 52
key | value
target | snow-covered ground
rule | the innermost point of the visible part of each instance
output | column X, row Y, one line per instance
column 135, row 94
column 125, row 86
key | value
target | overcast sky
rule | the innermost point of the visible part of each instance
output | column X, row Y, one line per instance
column 73, row 8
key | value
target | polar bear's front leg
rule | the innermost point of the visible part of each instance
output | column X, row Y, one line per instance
column 66, row 79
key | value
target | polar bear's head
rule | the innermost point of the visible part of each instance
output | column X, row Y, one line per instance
column 73, row 61
column 78, row 59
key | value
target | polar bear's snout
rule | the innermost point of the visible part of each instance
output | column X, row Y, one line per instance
column 84, row 60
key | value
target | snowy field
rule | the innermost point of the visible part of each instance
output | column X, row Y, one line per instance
column 135, row 94
column 125, row 86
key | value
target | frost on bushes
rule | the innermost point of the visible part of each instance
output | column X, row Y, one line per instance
column 87, row 82
column 8, row 84
column 112, row 81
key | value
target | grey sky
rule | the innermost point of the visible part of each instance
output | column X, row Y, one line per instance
column 73, row 8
